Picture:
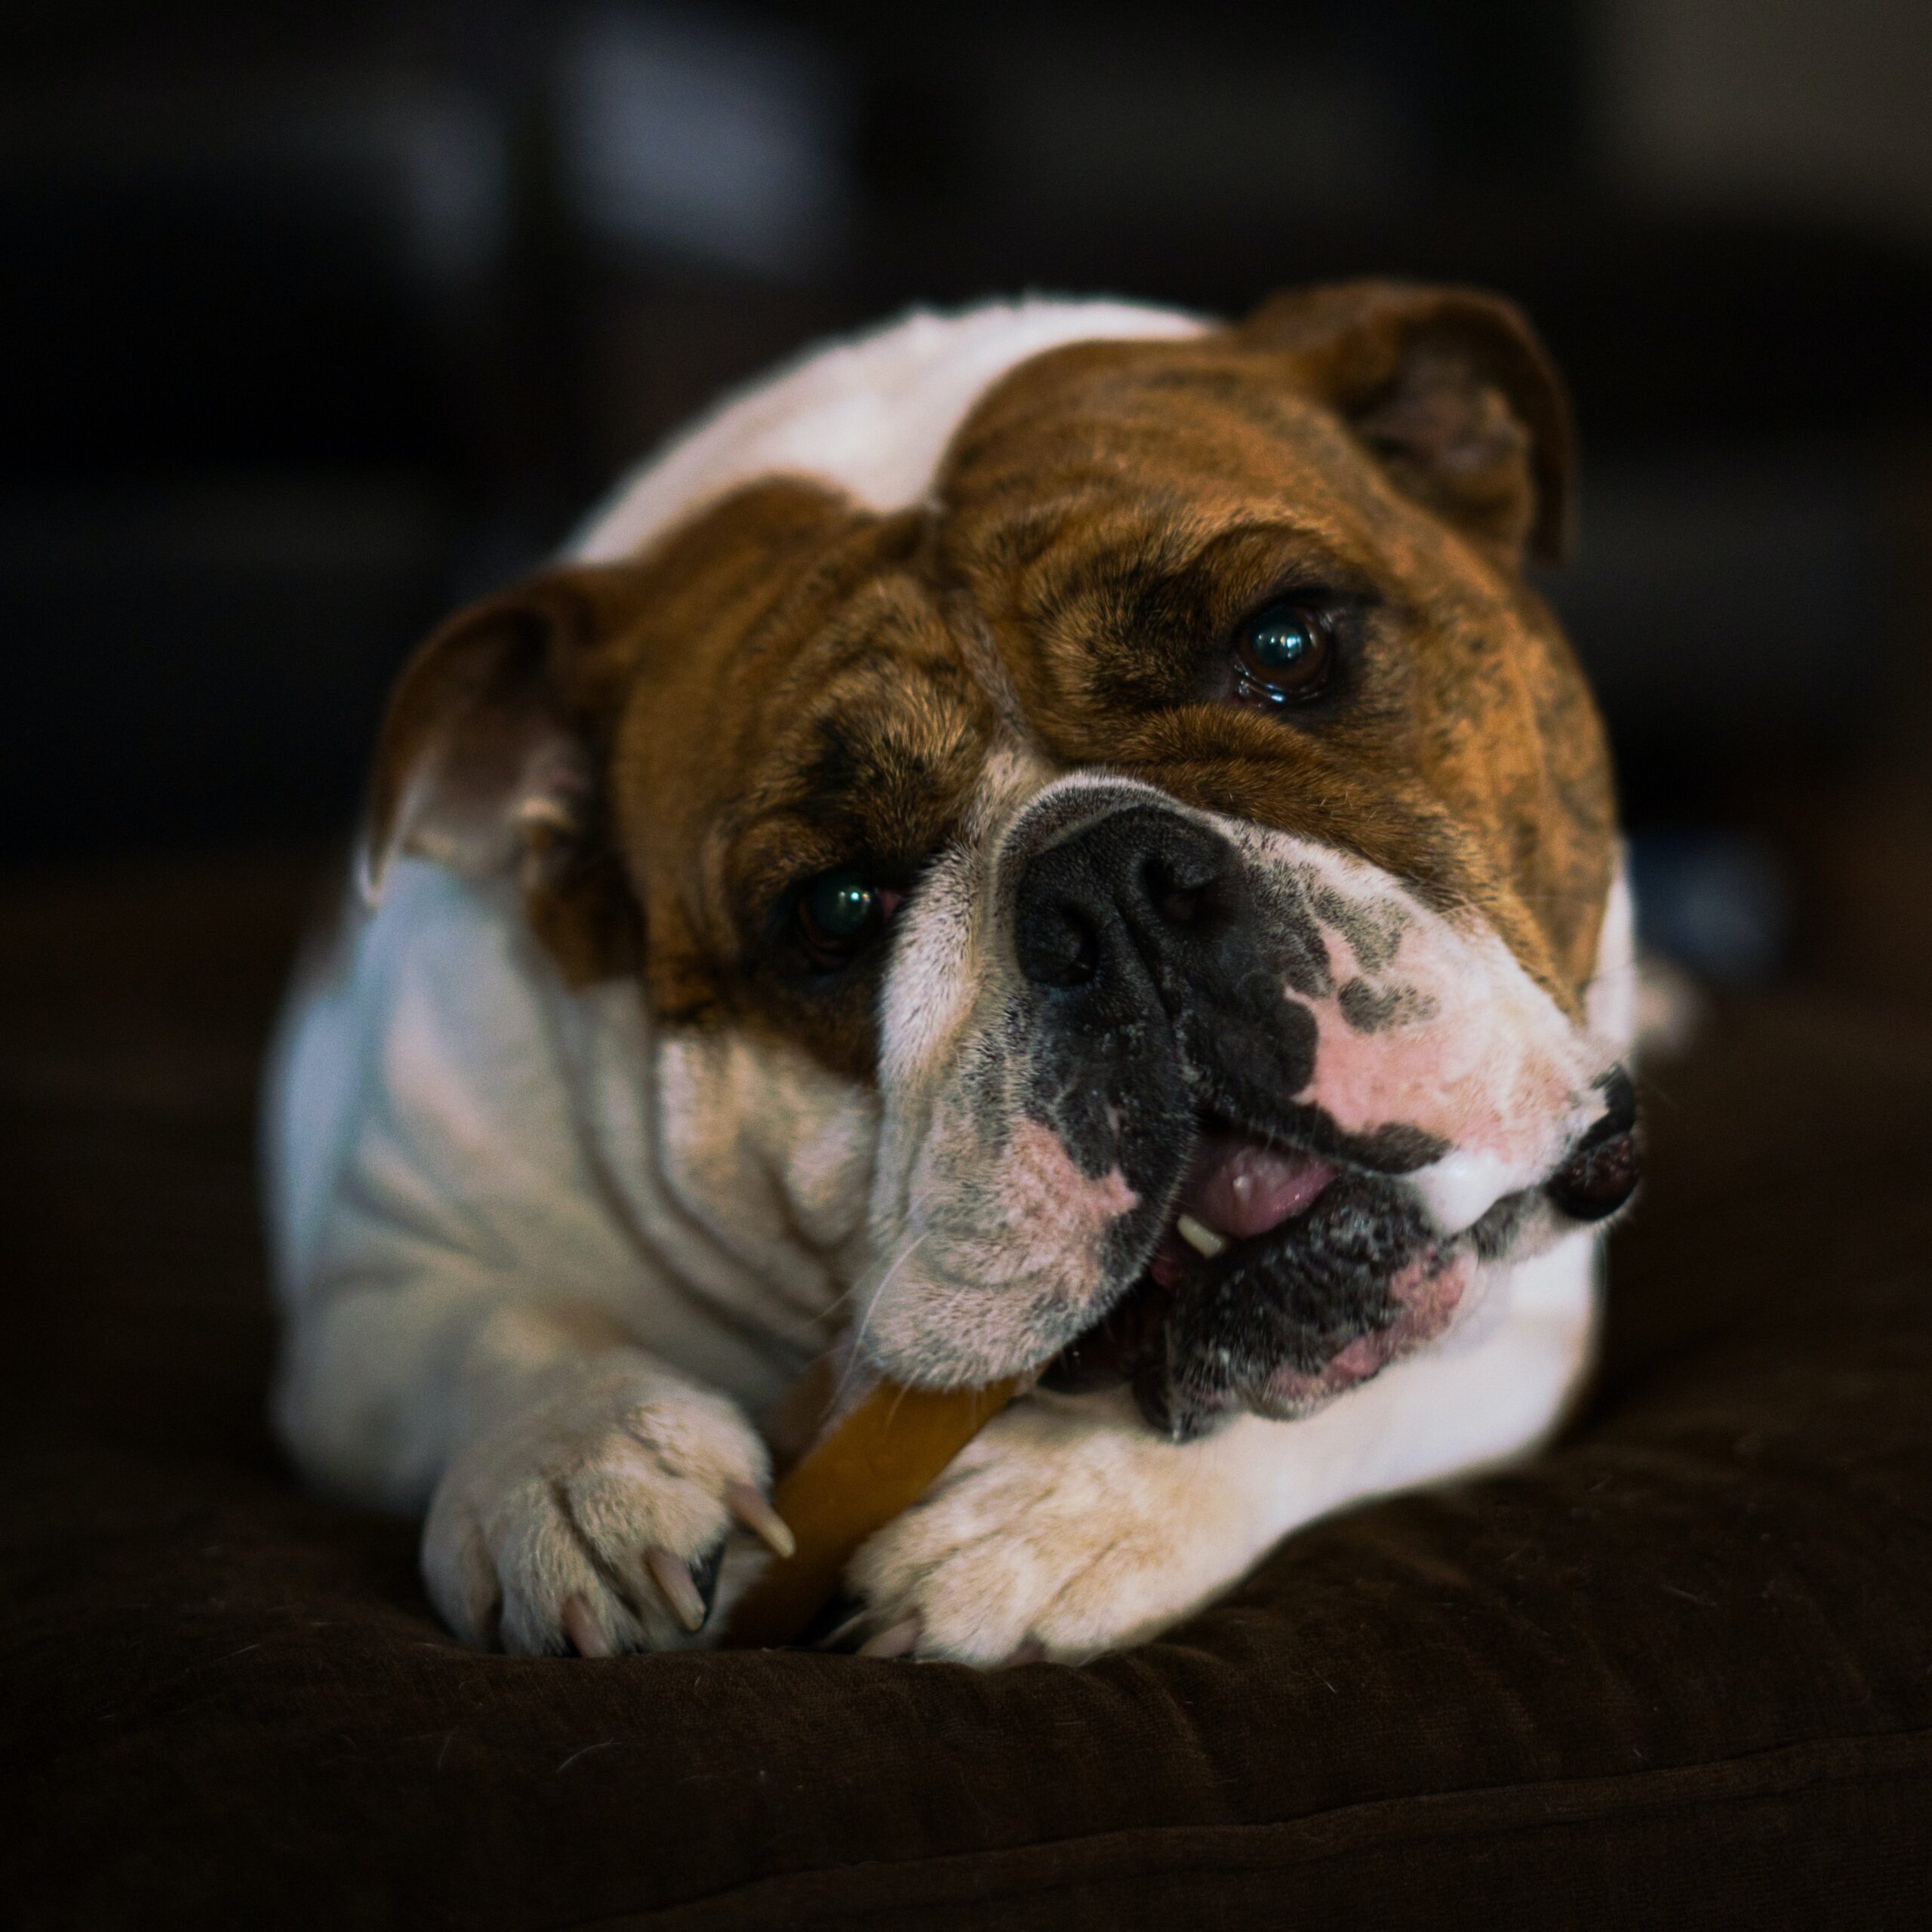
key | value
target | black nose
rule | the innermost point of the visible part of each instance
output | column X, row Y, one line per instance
column 1603, row 1171
column 1126, row 905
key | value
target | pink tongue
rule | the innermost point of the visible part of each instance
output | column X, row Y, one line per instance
column 1240, row 1188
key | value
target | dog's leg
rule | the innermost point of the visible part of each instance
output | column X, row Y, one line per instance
column 479, row 1322
column 580, row 1490
column 1069, row 1527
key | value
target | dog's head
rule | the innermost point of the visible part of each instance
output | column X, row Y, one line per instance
column 1120, row 861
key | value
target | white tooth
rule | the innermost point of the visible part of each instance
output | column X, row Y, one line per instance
column 1201, row 1238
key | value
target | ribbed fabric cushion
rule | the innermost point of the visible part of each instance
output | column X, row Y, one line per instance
column 1677, row 1671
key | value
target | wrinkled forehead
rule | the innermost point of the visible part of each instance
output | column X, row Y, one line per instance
column 1118, row 510
column 946, row 542
column 1206, row 425
column 1120, row 493
column 799, row 696
column 739, row 518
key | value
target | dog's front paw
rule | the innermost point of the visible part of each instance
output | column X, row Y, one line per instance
column 594, row 1520
column 1055, row 1534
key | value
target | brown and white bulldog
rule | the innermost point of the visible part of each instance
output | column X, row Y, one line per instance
column 1050, row 841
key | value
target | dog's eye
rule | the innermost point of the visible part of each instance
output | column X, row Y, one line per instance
column 1283, row 655
column 840, row 912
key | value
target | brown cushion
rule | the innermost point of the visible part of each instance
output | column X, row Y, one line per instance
column 1676, row 1671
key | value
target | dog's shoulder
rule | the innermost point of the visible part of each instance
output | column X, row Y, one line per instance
column 426, row 1081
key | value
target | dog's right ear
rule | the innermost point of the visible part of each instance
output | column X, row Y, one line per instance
column 489, row 756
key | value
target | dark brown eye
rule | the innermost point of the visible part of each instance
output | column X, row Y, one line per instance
column 1283, row 655
column 842, row 912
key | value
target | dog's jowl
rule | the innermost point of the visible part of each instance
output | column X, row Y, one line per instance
column 1055, row 842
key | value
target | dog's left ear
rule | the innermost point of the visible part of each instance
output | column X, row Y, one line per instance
column 1452, row 390
column 490, row 754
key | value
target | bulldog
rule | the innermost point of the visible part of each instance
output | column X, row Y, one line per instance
column 1051, row 841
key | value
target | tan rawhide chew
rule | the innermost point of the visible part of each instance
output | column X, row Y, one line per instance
column 876, row 1461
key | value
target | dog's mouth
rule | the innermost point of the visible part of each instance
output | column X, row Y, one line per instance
column 1280, row 1278
column 1237, row 1188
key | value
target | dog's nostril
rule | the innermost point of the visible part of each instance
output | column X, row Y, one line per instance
column 1176, row 901
column 1176, row 866
column 1063, row 950
column 1122, row 902
column 1182, row 896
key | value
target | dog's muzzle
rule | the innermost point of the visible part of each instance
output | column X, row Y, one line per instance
column 1280, row 1260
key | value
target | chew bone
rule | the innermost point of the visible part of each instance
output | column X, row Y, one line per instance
column 878, row 1459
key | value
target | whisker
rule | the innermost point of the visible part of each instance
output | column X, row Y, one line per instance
column 899, row 1261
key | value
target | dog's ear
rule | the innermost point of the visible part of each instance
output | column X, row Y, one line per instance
column 1452, row 390
column 489, row 756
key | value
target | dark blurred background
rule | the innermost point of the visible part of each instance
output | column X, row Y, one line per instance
column 320, row 318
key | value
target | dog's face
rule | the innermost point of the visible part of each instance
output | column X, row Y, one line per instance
column 1137, row 908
